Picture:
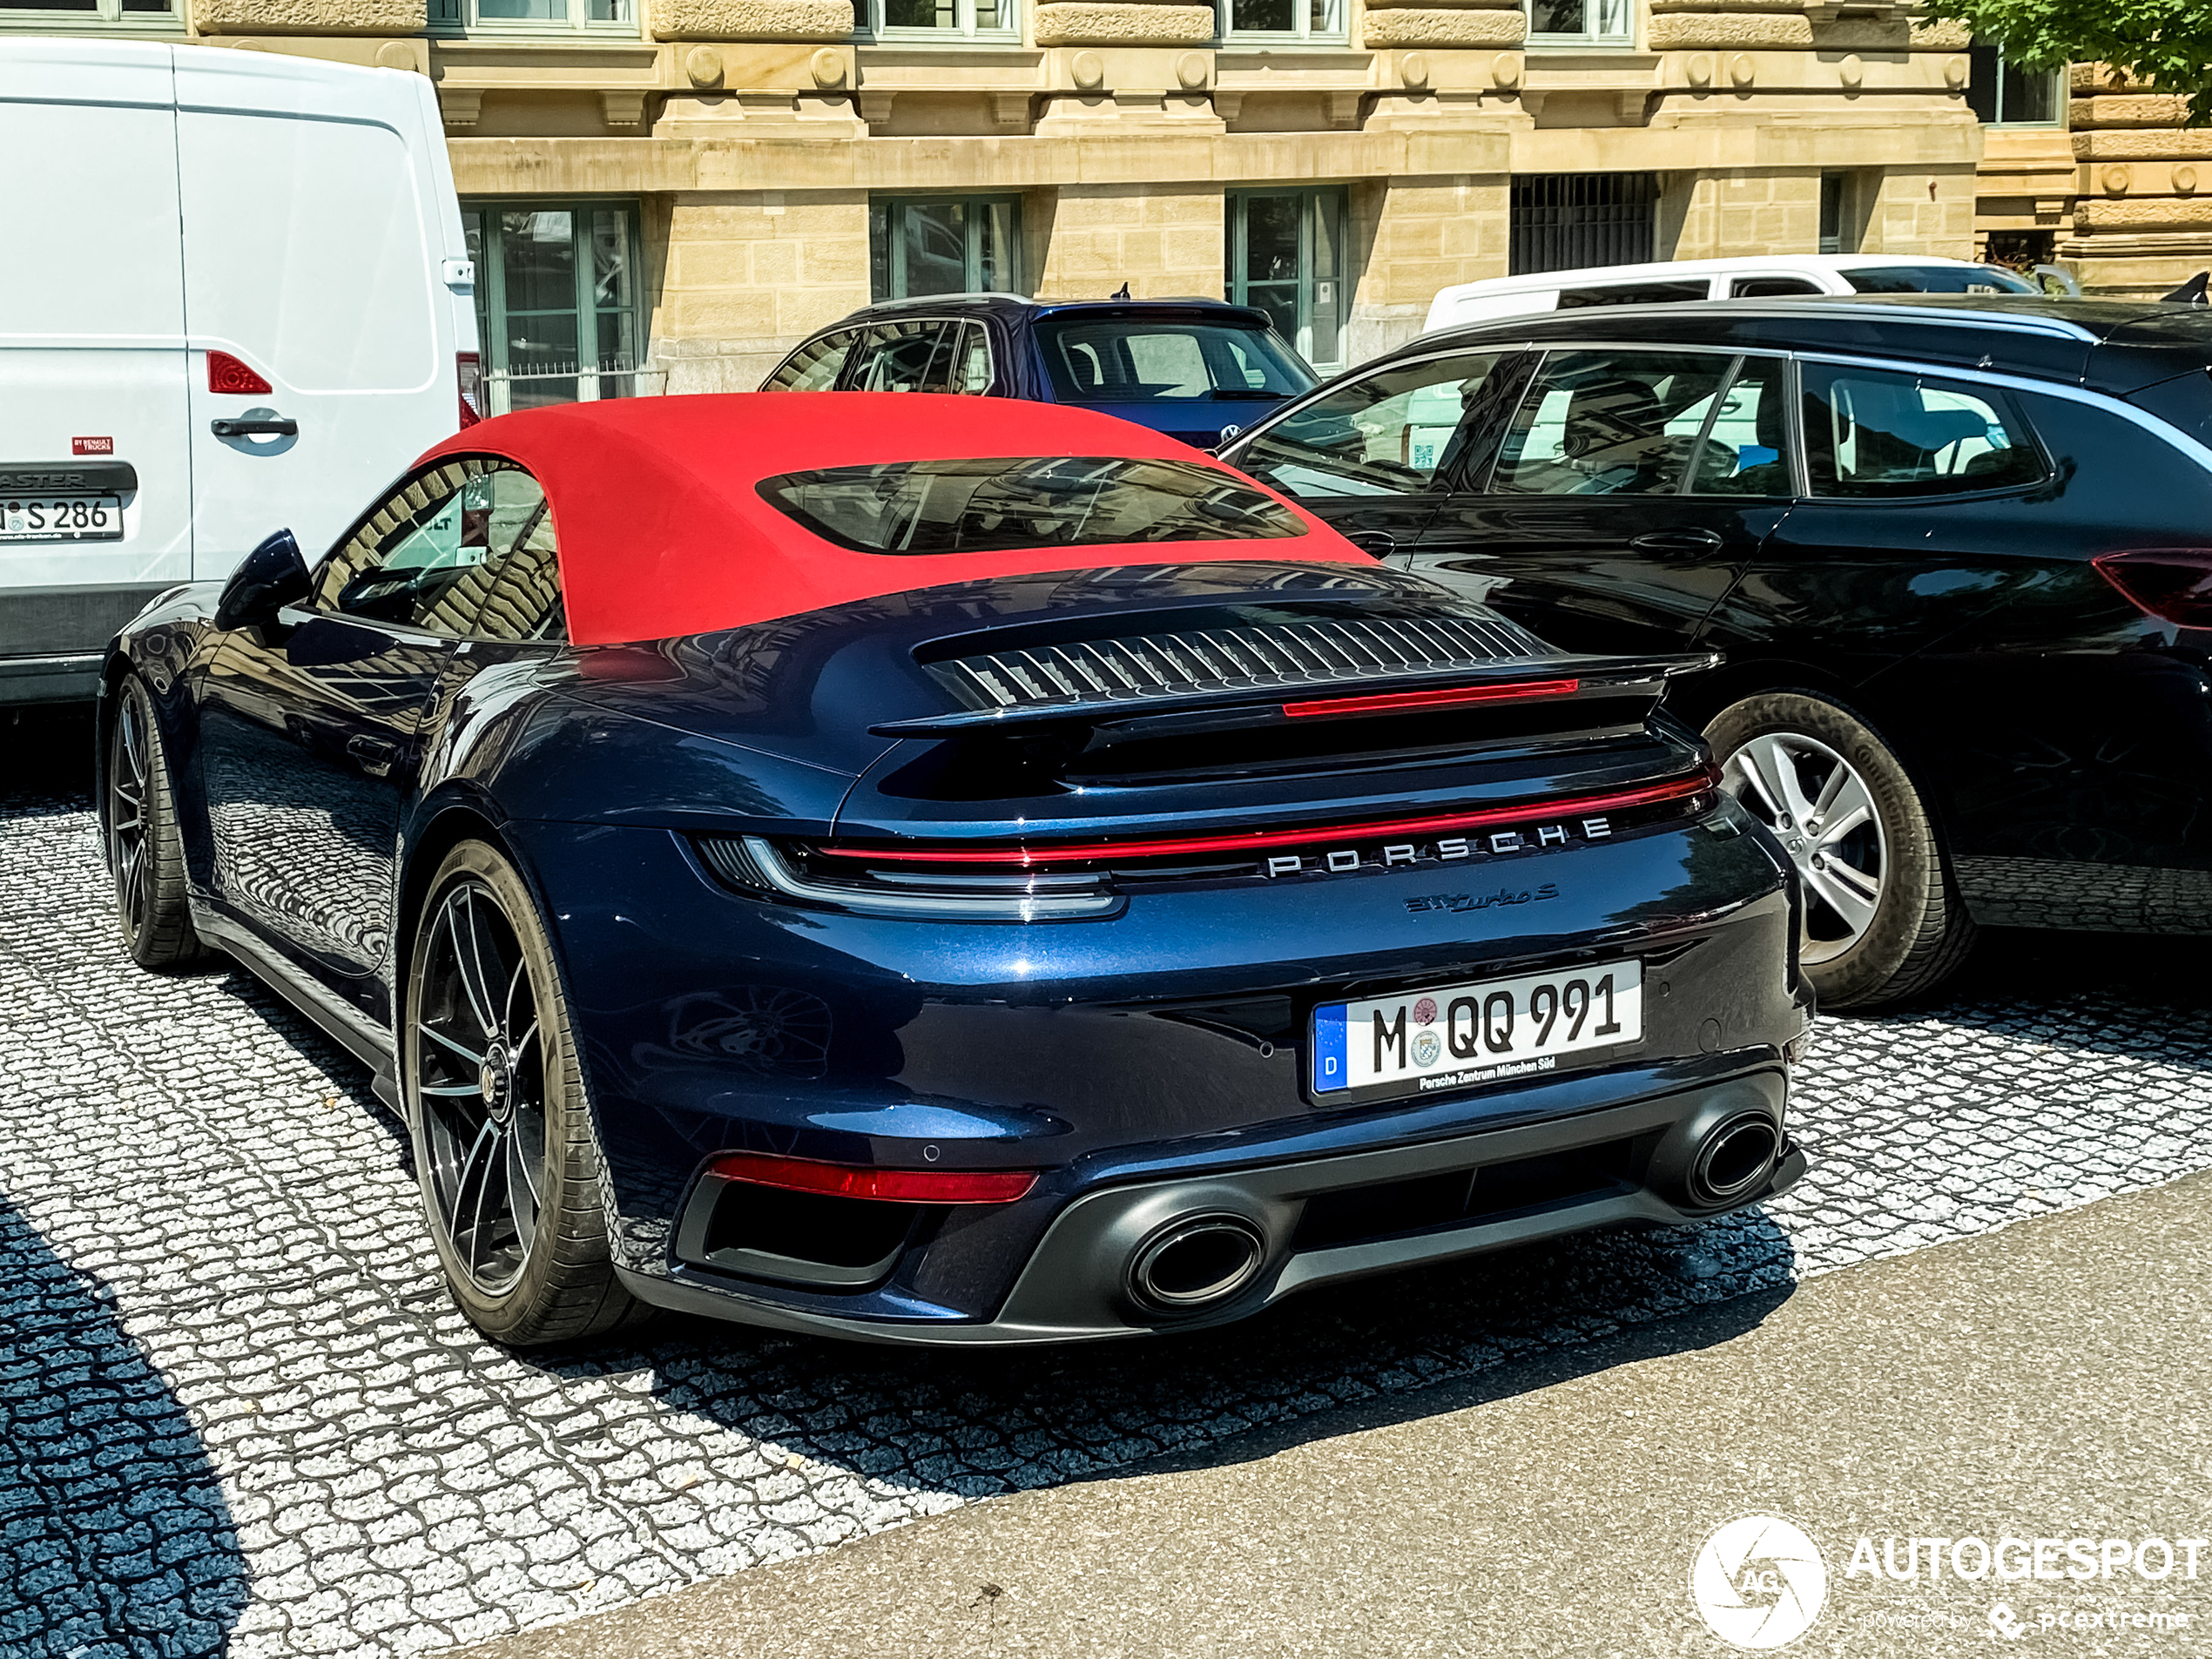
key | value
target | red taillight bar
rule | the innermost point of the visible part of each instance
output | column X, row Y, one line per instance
column 885, row 1186
column 1387, row 702
column 1022, row 857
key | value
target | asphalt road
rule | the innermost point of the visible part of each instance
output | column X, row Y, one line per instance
column 236, row 1406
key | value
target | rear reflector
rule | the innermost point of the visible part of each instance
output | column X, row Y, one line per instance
column 470, row 369
column 885, row 1186
column 1260, row 841
column 227, row 374
column 1452, row 696
column 2173, row 583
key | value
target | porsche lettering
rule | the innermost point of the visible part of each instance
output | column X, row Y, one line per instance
column 1449, row 849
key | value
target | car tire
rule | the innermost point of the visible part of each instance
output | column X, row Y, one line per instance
column 511, row 1172
column 1882, row 920
column 145, row 853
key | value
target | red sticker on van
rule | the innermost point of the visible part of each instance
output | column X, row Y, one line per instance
column 91, row 446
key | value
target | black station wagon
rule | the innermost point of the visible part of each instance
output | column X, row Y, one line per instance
column 1196, row 369
column 1957, row 553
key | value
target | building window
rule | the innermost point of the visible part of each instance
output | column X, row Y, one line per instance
column 1286, row 257
column 60, row 14
column 556, row 301
column 1581, row 23
column 942, row 19
column 944, row 245
column 2005, row 95
column 1838, row 215
column 1568, row 221
column 1283, row 21
column 533, row 17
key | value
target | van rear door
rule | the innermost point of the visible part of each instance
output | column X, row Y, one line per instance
column 317, row 213
column 95, row 469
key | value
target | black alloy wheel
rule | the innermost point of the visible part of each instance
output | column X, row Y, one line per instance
column 144, row 853
column 1880, row 920
column 510, row 1167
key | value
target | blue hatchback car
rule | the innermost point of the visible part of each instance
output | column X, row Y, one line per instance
column 1199, row 370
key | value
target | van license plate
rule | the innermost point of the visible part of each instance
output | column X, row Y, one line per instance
column 1417, row 1042
column 61, row 518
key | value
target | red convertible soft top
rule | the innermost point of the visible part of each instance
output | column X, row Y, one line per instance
column 661, row 531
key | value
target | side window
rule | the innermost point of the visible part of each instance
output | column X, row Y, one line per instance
column 1743, row 449
column 428, row 555
column 1609, row 423
column 1634, row 293
column 1384, row 434
column 971, row 363
column 525, row 598
column 1877, row 433
column 1770, row 287
column 900, row 357
column 814, row 366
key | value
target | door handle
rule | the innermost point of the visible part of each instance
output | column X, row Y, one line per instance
column 283, row 426
column 1690, row 542
column 1381, row 543
column 376, row 755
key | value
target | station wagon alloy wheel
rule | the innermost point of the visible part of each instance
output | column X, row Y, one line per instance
column 127, row 777
column 1821, row 810
column 481, row 1069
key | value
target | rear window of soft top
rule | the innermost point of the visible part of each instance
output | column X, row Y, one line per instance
column 1004, row 505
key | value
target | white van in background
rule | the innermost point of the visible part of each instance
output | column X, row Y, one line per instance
column 1760, row 276
column 236, row 300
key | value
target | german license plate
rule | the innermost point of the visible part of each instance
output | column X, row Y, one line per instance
column 61, row 518
column 1416, row 1042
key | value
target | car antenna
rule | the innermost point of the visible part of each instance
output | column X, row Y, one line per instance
column 1121, row 292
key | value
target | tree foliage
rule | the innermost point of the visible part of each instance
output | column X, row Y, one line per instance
column 2167, row 43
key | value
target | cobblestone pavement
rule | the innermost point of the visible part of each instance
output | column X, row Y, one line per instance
column 237, row 1407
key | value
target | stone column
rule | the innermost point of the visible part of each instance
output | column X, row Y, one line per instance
column 2142, row 219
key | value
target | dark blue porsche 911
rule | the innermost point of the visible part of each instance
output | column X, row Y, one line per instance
column 948, row 870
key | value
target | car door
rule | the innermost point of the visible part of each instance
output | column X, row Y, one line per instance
column 312, row 731
column 1622, row 499
column 313, row 263
column 1368, row 456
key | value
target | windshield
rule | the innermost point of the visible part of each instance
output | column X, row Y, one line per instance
column 1145, row 360
column 1005, row 505
column 1938, row 278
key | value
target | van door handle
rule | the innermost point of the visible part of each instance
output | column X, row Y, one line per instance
column 376, row 755
column 1381, row 543
column 283, row 426
column 1688, row 541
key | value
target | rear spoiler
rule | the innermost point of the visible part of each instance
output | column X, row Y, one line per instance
column 1333, row 695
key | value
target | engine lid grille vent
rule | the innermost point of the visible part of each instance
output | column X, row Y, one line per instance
column 1198, row 661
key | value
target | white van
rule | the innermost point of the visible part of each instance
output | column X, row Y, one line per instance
column 236, row 300
column 1761, row 277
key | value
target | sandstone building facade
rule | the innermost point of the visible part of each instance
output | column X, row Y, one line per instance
column 666, row 194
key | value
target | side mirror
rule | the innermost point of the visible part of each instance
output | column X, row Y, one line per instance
column 272, row 577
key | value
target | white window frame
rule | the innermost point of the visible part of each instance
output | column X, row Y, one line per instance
column 1621, row 37
column 1336, row 32
column 458, row 18
column 108, row 17
column 964, row 27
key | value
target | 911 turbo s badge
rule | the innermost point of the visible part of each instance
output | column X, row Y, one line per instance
column 1450, row 849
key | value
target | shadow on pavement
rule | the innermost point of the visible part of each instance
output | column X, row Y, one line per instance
column 115, row 1538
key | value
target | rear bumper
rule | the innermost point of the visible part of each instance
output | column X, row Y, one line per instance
column 1593, row 1168
column 68, row 678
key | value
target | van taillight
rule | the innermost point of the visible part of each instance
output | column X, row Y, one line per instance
column 2173, row 583
column 227, row 374
column 471, row 370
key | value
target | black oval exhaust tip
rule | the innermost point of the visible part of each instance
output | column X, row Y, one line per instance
column 1196, row 1261
column 1734, row 1158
